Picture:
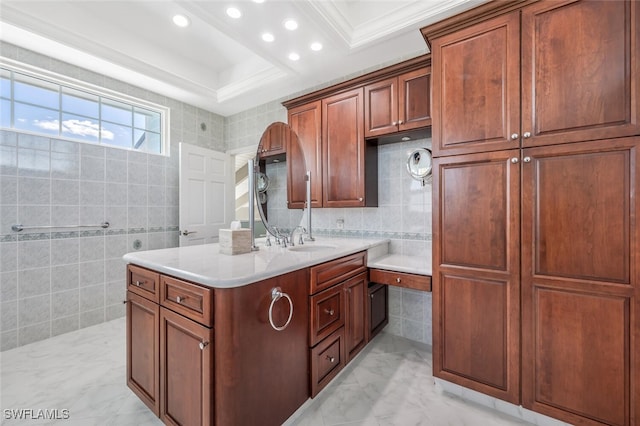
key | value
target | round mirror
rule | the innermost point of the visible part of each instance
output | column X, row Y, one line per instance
column 279, row 145
column 419, row 164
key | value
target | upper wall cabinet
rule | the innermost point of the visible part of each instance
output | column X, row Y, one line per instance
column 274, row 142
column 398, row 103
column 331, row 127
column 559, row 72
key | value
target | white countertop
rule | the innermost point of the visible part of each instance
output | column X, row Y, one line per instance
column 400, row 263
column 205, row 265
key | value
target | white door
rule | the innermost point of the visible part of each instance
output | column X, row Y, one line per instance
column 206, row 194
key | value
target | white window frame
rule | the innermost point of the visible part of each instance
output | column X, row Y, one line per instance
column 93, row 89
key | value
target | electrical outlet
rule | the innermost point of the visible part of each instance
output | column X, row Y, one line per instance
column 340, row 223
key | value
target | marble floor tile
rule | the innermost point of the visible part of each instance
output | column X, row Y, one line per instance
column 388, row 384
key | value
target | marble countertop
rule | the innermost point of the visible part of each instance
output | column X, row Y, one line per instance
column 204, row 264
column 400, row 263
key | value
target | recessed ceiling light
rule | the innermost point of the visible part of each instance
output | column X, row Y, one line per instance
column 268, row 37
column 316, row 46
column 294, row 56
column 181, row 21
column 290, row 24
column 234, row 12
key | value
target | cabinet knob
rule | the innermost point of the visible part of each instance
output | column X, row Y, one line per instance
column 360, row 199
column 139, row 283
column 514, row 136
column 331, row 359
column 527, row 159
column 514, row 160
column 400, row 121
column 180, row 299
column 329, row 311
column 398, row 280
column 526, row 135
column 394, row 123
column 203, row 345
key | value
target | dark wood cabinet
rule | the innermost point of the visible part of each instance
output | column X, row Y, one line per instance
column 549, row 81
column 567, row 103
column 273, row 142
column 580, row 281
column 306, row 121
column 186, row 371
column 378, row 315
column 356, row 299
column 476, row 288
column 398, row 103
column 338, row 298
column 346, row 174
column 143, row 345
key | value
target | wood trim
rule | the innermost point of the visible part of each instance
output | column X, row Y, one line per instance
column 471, row 17
column 401, row 279
column 372, row 77
column 335, row 271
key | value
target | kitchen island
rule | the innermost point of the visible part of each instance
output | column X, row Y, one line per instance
column 244, row 339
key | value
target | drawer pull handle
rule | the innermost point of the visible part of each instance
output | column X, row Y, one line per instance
column 180, row 299
column 203, row 345
column 277, row 294
column 139, row 283
column 398, row 280
column 329, row 311
column 330, row 359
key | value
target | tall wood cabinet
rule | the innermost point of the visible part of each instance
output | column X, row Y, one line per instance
column 535, row 205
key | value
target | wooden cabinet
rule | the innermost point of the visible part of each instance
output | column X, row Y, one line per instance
column 556, row 106
column 356, row 299
column 476, row 287
column 306, row 121
column 143, row 346
column 345, row 170
column 169, row 354
column 338, row 316
column 549, row 81
column 186, row 367
column 581, row 281
column 398, row 104
column 273, row 142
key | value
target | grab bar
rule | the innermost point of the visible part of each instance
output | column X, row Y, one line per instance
column 18, row 228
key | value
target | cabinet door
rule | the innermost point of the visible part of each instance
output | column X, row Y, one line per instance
column 580, row 71
column 414, row 99
column 581, row 281
column 476, row 293
column 143, row 359
column 305, row 120
column 476, row 88
column 343, row 150
column 356, row 290
column 381, row 107
column 186, row 373
column 273, row 142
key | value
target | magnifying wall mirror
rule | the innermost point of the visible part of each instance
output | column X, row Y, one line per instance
column 278, row 143
column 419, row 165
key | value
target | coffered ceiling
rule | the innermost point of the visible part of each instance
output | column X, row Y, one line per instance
column 220, row 63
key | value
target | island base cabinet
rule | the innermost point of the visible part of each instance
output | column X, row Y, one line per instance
column 143, row 318
column 186, row 374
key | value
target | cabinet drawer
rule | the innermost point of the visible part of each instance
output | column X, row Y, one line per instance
column 190, row 300
column 401, row 279
column 330, row 273
column 143, row 282
column 327, row 313
column 327, row 359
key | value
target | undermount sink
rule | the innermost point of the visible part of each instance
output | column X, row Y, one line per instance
column 312, row 247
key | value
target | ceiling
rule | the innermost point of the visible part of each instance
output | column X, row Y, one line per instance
column 219, row 63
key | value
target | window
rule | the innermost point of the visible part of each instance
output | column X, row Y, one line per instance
column 37, row 104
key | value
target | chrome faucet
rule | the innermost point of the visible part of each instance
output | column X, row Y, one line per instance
column 300, row 240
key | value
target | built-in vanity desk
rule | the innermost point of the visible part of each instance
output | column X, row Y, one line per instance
column 245, row 339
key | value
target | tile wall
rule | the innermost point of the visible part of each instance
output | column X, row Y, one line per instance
column 55, row 282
